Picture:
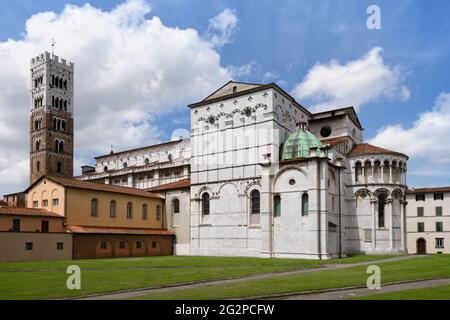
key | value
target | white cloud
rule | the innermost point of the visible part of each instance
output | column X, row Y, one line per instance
column 354, row 83
column 222, row 27
column 127, row 69
column 427, row 138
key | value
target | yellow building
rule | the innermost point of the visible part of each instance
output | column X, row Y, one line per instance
column 105, row 220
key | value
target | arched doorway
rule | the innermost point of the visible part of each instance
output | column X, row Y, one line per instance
column 421, row 246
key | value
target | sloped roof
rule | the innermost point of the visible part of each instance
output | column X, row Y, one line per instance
column 72, row 183
column 118, row 230
column 334, row 141
column 32, row 212
column 350, row 111
column 428, row 190
column 365, row 148
column 182, row 184
column 228, row 88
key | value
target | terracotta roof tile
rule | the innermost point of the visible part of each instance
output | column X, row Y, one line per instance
column 429, row 190
column 185, row 183
column 335, row 140
column 72, row 183
column 29, row 212
column 118, row 230
column 365, row 148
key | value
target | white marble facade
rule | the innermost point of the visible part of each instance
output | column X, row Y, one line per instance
column 344, row 197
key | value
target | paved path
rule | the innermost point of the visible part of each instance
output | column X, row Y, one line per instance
column 359, row 292
column 144, row 292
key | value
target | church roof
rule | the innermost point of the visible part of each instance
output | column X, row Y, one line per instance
column 334, row 141
column 182, row 184
column 428, row 190
column 118, row 230
column 231, row 87
column 298, row 143
column 365, row 148
column 31, row 212
column 72, row 183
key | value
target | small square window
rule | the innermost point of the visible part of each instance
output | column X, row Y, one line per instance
column 59, row 246
column 122, row 244
column 420, row 197
column 438, row 211
column 138, row 244
column 439, row 226
column 420, row 211
column 55, row 202
column 45, row 203
column 439, row 243
column 153, row 244
column 35, row 204
column 438, row 196
column 16, row 225
column 103, row 245
column 420, row 227
column 29, row 246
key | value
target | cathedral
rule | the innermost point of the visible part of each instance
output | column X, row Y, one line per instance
column 262, row 176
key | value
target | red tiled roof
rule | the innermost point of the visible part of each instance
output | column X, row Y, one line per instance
column 29, row 212
column 334, row 140
column 428, row 190
column 118, row 230
column 365, row 148
column 72, row 183
column 185, row 183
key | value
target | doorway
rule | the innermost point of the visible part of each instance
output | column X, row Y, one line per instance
column 421, row 246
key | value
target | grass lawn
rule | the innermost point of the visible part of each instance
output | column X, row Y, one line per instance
column 431, row 293
column 433, row 266
column 45, row 280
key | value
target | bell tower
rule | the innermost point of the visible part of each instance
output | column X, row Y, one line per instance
column 51, row 117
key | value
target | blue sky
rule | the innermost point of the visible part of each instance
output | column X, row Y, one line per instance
column 282, row 41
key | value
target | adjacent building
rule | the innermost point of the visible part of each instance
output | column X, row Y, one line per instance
column 428, row 220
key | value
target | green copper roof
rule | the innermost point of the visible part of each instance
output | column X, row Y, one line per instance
column 298, row 144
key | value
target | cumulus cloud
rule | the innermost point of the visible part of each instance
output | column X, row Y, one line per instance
column 355, row 83
column 222, row 27
column 128, row 67
column 428, row 136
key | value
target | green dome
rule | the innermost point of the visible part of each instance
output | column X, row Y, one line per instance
column 298, row 144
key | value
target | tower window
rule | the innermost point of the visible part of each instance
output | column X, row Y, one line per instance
column 277, row 206
column 61, row 146
column 38, row 166
column 205, row 203
column 381, row 207
column 59, row 167
column 305, row 204
column 63, row 125
column 38, row 145
column 176, row 206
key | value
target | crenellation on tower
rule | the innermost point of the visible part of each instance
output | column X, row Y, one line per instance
column 51, row 117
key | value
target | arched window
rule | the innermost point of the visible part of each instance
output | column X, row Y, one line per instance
column 94, row 207
column 58, row 125
column 54, row 123
column 147, row 161
column 255, row 199
column 112, row 208
column 125, row 165
column 381, row 207
column 61, row 146
column 144, row 212
column 38, row 145
column 61, row 83
column 305, row 204
column 358, row 172
column 63, row 125
column 65, row 105
column 277, row 206
column 36, row 124
column 59, row 167
column 65, row 84
column 38, row 166
column 53, row 80
column 129, row 210
column 56, row 145
column 158, row 212
column 205, row 203
column 105, row 168
column 176, row 205
column 57, row 102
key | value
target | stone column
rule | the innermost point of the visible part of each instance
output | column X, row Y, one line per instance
column 390, row 173
column 402, row 225
column 391, row 227
column 372, row 178
column 374, row 222
column 382, row 173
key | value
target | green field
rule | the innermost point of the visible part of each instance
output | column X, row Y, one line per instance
column 429, row 267
column 431, row 293
column 46, row 280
